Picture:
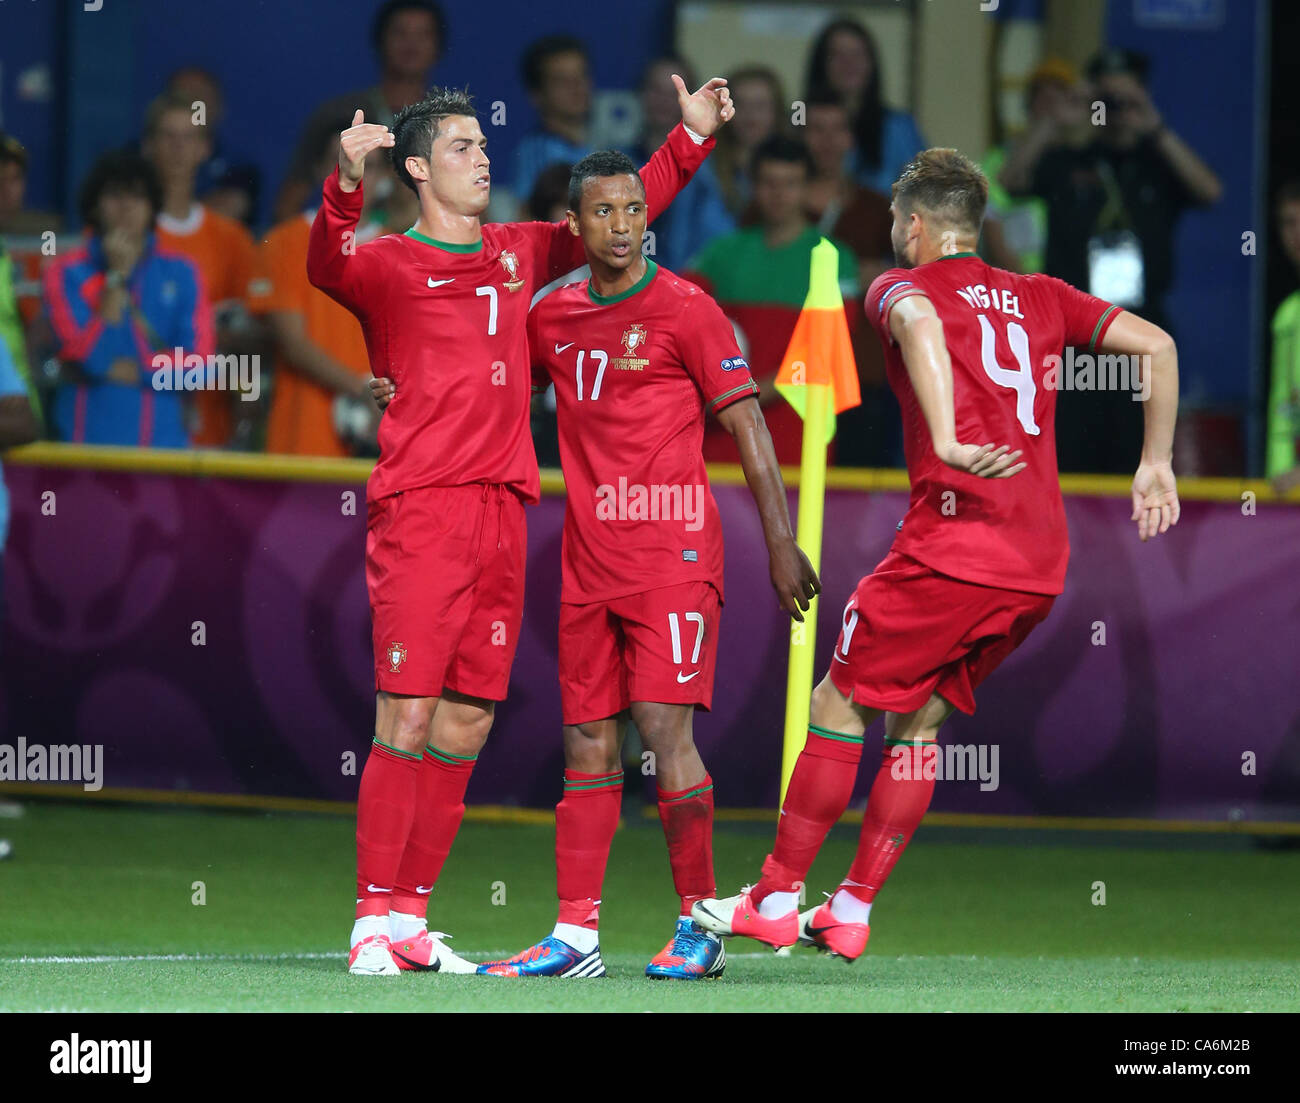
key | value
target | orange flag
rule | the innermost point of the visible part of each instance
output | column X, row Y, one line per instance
column 820, row 351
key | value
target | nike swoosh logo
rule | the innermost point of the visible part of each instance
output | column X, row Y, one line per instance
column 688, row 677
column 376, row 888
column 560, row 348
column 836, row 656
column 439, row 283
column 422, row 890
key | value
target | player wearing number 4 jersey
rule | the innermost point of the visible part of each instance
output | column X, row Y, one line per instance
column 972, row 354
column 444, row 312
column 638, row 358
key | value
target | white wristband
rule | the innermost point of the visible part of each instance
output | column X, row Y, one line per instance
column 698, row 139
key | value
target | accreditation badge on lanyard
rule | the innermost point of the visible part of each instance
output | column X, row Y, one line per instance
column 1116, row 270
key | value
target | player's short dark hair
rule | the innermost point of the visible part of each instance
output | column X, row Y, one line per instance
column 122, row 171
column 416, row 126
column 532, row 67
column 945, row 184
column 786, row 151
column 384, row 16
column 604, row 162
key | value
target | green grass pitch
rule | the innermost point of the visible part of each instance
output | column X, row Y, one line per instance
column 97, row 914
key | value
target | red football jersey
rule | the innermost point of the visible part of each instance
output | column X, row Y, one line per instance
column 1000, row 329
column 634, row 374
column 448, row 324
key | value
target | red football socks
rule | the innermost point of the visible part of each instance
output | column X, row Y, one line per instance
column 440, row 807
column 385, row 809
column 820, row 789
column 899, row 797
column 687, row 818
column 585, row 821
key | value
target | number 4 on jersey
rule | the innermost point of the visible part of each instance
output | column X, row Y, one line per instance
column 1020, row 381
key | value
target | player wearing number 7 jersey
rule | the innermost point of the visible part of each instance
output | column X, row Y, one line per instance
column 973, row 354
column 444, row 310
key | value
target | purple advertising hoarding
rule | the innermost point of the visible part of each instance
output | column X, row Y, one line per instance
column 213, row 635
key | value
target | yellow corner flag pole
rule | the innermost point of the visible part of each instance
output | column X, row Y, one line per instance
column 819, row 378
column 803, row 636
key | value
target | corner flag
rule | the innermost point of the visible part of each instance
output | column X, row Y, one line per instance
column 819, row 378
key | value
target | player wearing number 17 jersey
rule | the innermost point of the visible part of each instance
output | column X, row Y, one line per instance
column 974, row 355
column 639, row 357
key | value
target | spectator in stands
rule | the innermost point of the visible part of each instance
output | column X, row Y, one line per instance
column 760, row 113
column 14, row 321
column 409, row 37
column 1015, row 230
column 868, row 435
column 1112, row 208
column 17, row 426
column 221, row 248
column 845, row 62
column 557, row 77
column 1283, row 461
column 698, row 213
column 115, row 302
column 759, row 276
column 227, row 183
column 320, row 353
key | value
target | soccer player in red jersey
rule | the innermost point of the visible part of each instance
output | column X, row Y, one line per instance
column 639, row 357
column 444, row 308
column 973, row 354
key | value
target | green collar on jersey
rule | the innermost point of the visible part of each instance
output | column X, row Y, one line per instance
column 605, row 300
column 957, row 256
column 450, row 246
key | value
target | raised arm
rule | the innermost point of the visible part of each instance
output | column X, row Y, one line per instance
column 334, row 263
column 1155, row 492
column 916, row 327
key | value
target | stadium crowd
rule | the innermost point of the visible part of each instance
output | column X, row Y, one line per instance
column 170, row 262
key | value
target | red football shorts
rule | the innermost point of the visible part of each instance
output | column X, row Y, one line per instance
column 661, row 645
column 909, row 632
column 445, row 573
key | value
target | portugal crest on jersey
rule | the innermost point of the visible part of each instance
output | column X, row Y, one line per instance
column 396, row 657
column 633, row 338
column 510, row 263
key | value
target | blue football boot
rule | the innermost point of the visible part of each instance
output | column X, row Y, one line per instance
column 549, row 958
column 693, row 954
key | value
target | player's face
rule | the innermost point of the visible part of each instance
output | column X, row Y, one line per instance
column 611, row 220
column 905, row 237
column 458, row 166
column 1288, row 226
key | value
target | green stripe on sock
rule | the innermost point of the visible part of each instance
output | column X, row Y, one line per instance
column 911, row 742
column 396, row 750
column 605, row 781
column 826, row 733
column 696, row 792
column 447, row 757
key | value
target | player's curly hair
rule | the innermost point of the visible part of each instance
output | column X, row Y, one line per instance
column 416, row 126
column 945, row 184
